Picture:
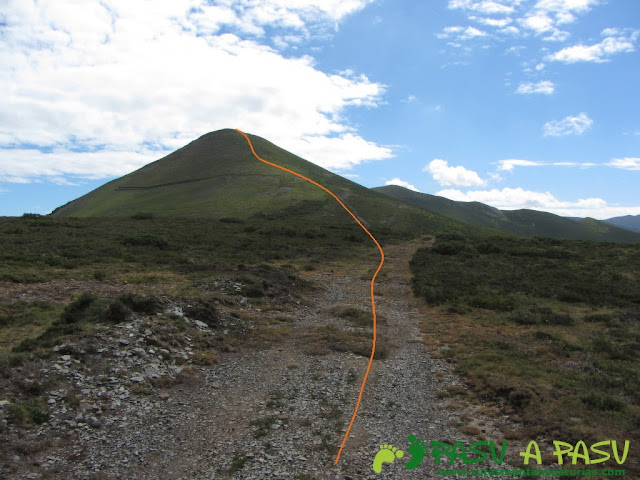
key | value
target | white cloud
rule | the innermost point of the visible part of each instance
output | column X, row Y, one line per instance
column 486, row 6
column 564, row 18
column 548, row 15
column 614, row 43
column 557, row 36
column 566, row 7
column 509, row 165
column 511, row 30
column 14, row 179
column 283, row 42
column 611, row 32
column 63, row 181
column 519, row 198
column 627, row 163
column 538, row 22
column 401, row 183
column 449, row 31
column 542, row 17
column 472, row 32
column 516, row 198
column 492, row 8
column 493, row 22
column 546, row 87
column 23, row 165
column 575, row 125
column 336, row 153
column 515, row 50
column 574, row 164
column 251, row 16
column 457, row 176
column 461, row 33
column 116, row 77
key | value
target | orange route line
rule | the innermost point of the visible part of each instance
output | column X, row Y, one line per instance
column 373, row 279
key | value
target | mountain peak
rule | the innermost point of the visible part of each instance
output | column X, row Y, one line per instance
column 217, row 176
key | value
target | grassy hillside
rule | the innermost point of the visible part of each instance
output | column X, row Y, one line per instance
column 519, row 222
column 177, row 255
column 630, row 222
column 216, row 176
column 549, row 328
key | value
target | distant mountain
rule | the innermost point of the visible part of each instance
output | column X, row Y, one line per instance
column 630, row 222
column 217, row 176
column 520, row 222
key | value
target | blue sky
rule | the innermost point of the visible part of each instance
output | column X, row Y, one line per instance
column 514, row 103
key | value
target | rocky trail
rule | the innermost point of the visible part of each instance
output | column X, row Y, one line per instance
column 272, row 412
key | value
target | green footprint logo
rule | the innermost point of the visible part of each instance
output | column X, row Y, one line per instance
column 417, row 449
column 386, row 454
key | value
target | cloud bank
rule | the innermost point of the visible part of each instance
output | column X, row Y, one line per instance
column 100, row 87
column 519, row 198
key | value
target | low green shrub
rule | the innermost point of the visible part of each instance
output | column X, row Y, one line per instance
column 142, row 216
column 602, row 402
column 598, row 317
column 449, row 248
column 147, row 305
column 117, row 312
column 29, row 411
column 504, row 303
column 146, row 240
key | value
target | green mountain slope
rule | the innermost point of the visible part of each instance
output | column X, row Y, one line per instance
column 629, row 222
column 217, row 176
column 519, row 222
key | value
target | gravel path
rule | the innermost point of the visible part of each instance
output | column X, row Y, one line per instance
column 278, row 413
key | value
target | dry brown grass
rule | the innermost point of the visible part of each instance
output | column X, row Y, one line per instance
column 205, row 359
column 188, row 376
column 472, row 431
column 325, row 339
column 510, row 434
column 141, row 389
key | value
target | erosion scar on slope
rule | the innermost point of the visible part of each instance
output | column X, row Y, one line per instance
column 373, row 279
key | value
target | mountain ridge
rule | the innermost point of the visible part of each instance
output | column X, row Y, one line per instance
column 629, row 222
column 216, row 176
column 520, row 222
